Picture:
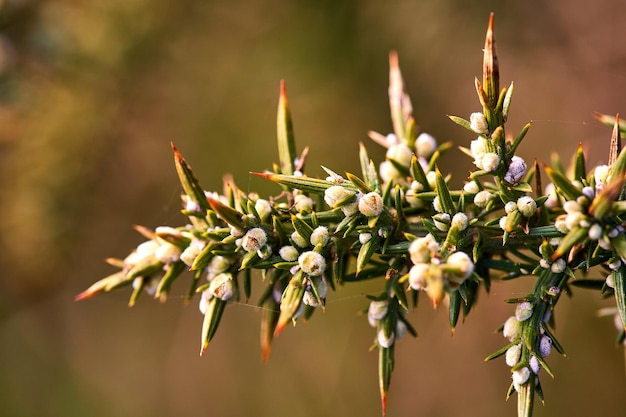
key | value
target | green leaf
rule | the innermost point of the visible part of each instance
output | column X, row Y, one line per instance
column 619, row 282
column 188, row 180
column 228, row 214
column 385, row 368
column 174, row 270
column 285, row 136
column 366, row 252
column 212, row 316
column 445, row 199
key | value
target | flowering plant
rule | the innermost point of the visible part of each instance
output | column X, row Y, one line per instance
column 403, row 224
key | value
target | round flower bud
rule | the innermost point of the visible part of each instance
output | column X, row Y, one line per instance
column 288, row 253
column 516, row 171
column 482, row 198
column 417, row 276
column 510, row 207
column 320, row 236
column 419, row 250
column 601, row 174
column 527, row 206
column 167, row 253
column 459, row 221
column 371, row 204
column 558, row 266
column 425, row 145
column 534, row 364
column 478, row 123
column 364, row 238
column 299, row 240
column 490, row 161
column 303, row 203
column 460, row 265
column 545, row 346
column 595, row 231
column 523, row 311
column 431, row 177
column 442, row 221
column 191, row 252
column 263, row 208
column 512, row 329
column 377, row 309
column 385, row 340
column 204, row 301
column 610, row 281
column 223, row 287
column 400, row 153
column 572, row 207
column 437, row 204
column 553, row 199
column 513, row 355
column 312, row 263
column 401, row 329
column 479, row 147
column 335, row 195
column 471, row 187
column 521, row 376
column 254, row 239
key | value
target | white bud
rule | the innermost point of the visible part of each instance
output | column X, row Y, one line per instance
column 263, row 208
column 299, row 240
column 288, row 253
column 471, row 187
column 420, row 249
column 558, row 266
column 223, row 287
column 204, row 301
column 512, row 328
column 437, row 204
column 400, row 153
column 600, row 174
column 527, row 206
column 191, row 252
column 610, row 281
column 595, row 231
column 550, row 192
column 167, row 253
column 442, row 221
column 521, row 376
column 425, row 145
column 479, row 147
column 482, row 198
column 312, row 263
column 460, row 221
column 378, row 309
column 510, row 207
column 320, row 236
column 371, row 204
column 417, row 276
column 478, row 123
column 513, row 355
column 572, row 206
column 431, row 177
column 523, row 311
column 385, row 340
column 460, row 265
column 335, row 195
column 364, row 237
column 490, row 161
column 254, row 239
column 303, row 203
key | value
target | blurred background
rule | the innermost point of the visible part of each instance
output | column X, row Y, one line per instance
column 91, row 94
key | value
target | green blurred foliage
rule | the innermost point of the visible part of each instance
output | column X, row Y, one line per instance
column 91, row 94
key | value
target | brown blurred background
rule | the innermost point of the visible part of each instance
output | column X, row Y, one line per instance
column 91, row 94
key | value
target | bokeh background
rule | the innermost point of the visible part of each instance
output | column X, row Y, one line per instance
column 91, row 94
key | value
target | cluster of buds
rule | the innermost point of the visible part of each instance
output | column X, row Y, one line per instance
column 526, row 362
column 433, row 274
